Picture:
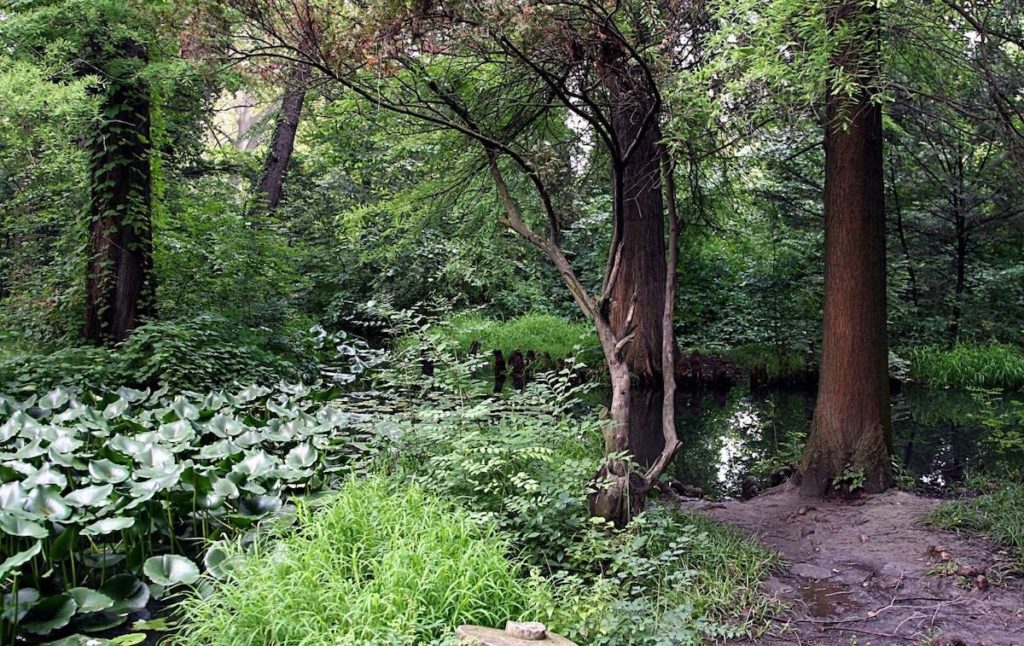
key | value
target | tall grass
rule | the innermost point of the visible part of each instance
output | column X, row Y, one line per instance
column 998, row 515
column 991, row 365
column 379, row 563
column 542, row 333
column 774, row 362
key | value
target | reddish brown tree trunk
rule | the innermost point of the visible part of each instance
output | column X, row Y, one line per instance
column 850, row 433
column 275, row 166
column 119, row 283
column 639, row 219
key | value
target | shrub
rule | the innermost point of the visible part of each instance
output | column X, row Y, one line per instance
column 990, row 365
column 378, row 563
column 182, row 355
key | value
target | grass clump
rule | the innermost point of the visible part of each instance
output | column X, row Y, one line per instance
column 991, row 365
column 998, row 515
column 378, row 563
column 773, row 362
column 542, row 333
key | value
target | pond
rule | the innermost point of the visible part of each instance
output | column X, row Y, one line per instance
column 939, row 435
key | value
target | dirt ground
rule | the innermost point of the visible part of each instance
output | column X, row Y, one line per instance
column 868, row 572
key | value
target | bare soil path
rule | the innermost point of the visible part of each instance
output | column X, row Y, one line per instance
column 869, row 572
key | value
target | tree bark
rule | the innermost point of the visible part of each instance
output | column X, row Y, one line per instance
column 119, row 282
column 850, row 432
column 275, row 167
column 638, row 217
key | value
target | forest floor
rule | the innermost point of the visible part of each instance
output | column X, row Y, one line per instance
column 868, row 571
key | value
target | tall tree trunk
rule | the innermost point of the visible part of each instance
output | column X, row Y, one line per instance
column 279, row 154
column 638, row 216
column 851, row 430
column 901, row 231
column 960, row 260
column 119, row 281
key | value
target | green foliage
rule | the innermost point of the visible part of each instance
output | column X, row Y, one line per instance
column 775, row 363
column 522, row 463
column 998, row 515
column 376, row 563
column 99, row 490
column 191, row 355
column 542, row 333
column 991, row 365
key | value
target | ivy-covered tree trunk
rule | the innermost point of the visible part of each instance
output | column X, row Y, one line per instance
column 119, row 280
column 850, row 434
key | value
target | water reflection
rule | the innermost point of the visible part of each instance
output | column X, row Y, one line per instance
column 727, row 436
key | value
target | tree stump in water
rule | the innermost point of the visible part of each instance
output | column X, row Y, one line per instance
column 518, row 368
column 499, row 371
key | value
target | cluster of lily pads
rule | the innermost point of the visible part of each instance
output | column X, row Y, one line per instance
column 107, row 502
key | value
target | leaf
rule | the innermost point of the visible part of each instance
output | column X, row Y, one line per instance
column 128, row 639
column 90, row 600
column 176, row 432
column 91, row 496
column 184, row 410
column 132, row 395
column 128, row 592
column 256, row 464
column 300, row 457
column 49, row 614
column 19, row 559
column 47, row 503
column 55, row 398
column 106, row 471
column 26, row 599
column 21, row 527
column 116, row 408
column 64, row 544
column 108, row 526
column 171, row 569
column 224, row 426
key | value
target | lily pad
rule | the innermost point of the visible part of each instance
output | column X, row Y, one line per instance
column 90, row 600
column 301, row 457
column 46, row 502
column 49, row 614
column 21, row 527
column 171, row 569
column 14, row 562
column 128, row 592
column 91, row 496
column 106, row 471
column 15, row 609
column 108, row 526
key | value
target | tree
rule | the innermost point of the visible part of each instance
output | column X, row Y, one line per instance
column 282, row 142
column 119, row 275
column 850, row 432
column 507, row 78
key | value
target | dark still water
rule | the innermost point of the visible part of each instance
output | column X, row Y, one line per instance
column 939, row 435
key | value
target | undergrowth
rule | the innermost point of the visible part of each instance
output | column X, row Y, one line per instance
column 541, row 333
column 998, row 515
column 377, row 563
column 517, row 468
column 773, row 362
column 992, row 365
